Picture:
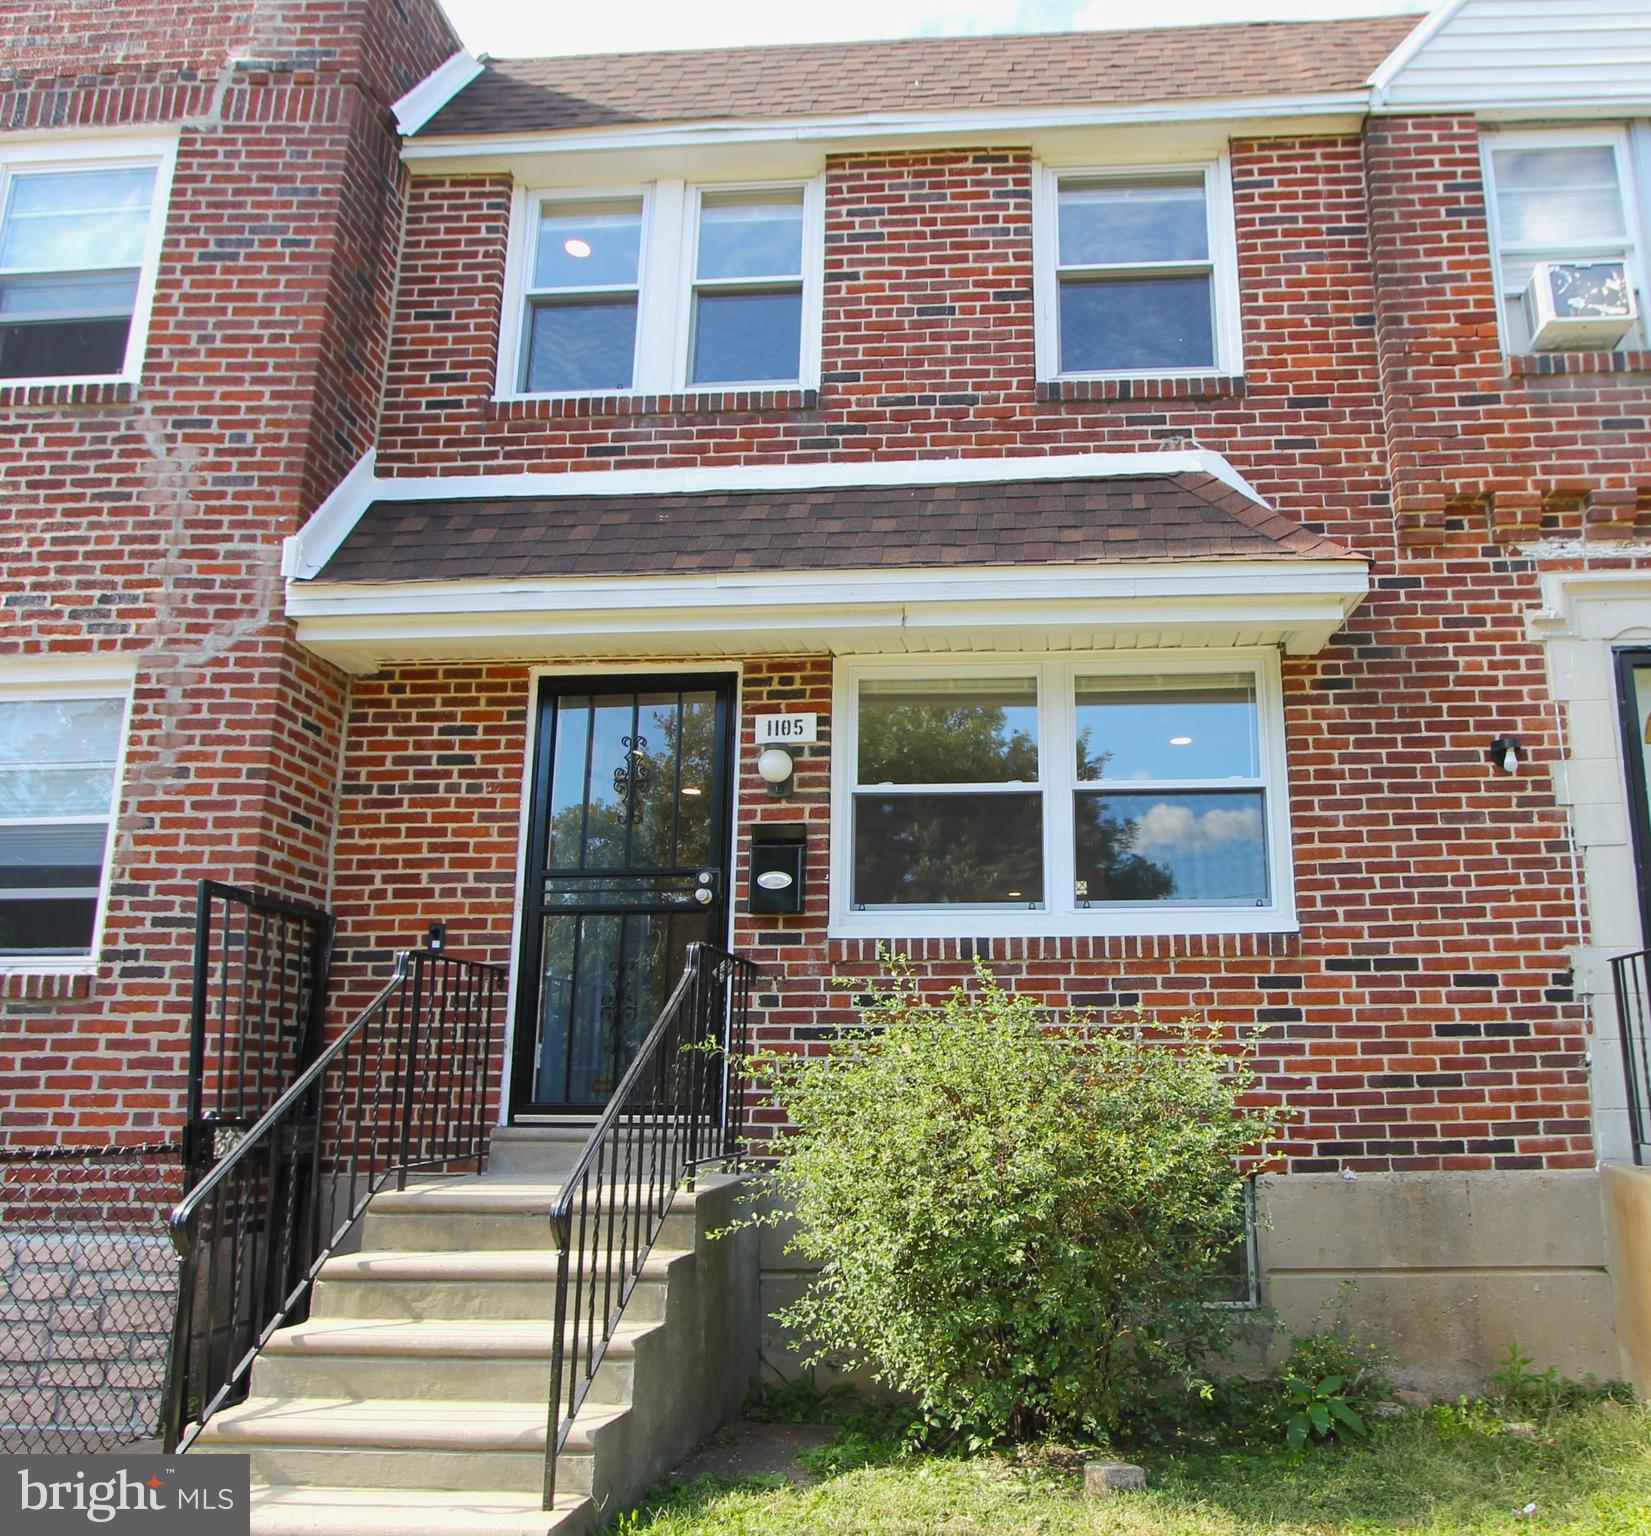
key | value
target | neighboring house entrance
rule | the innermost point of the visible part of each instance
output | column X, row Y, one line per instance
column 627, row 864
column 1634, row 704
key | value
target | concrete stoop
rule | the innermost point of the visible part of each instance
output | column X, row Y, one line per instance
column 414, row 1398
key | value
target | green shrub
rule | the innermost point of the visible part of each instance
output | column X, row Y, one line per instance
column 1015, row 1223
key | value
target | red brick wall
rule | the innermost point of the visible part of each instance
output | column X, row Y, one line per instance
column 148, row 522
column 927, row 339
column 1421, row 1019
column 1479, row 447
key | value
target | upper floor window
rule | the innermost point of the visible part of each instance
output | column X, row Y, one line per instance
column 60, row 752
column 79, row 244
column 1563, row 196
column 1136, row 273
column 665, row 288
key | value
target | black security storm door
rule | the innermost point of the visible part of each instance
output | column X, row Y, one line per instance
column 627, row 864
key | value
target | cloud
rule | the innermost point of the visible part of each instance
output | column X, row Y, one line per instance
column 1176, row 828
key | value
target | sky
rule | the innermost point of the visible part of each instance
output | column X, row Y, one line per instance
column 524, row 28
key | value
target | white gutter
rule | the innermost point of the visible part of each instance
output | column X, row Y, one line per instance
column 941, row 123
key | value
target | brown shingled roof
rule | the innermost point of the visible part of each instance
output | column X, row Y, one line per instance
column 1191, row 516
column 1270, row 58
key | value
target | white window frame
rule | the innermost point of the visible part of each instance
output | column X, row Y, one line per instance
column 670, row 243
column 1635, row 238
column 1226, row 320
column 1060, row 916
column 113, row 154
column 86, row 680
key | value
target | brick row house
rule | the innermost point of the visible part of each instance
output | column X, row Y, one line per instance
column 1164, row 512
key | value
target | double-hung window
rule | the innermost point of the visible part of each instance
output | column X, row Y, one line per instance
column 1131, row 795
column 665, row 288
column 1136, row 273
column 60, row 752
column 79, row 244
column 1562, row 196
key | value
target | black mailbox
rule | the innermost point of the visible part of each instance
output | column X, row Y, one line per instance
column 777, row 859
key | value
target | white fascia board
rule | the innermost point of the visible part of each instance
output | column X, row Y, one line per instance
column 308, row 551
column 414, row 109
column 878, row 127
column 1412, row 44
column 1297, row 604
column 305, row 552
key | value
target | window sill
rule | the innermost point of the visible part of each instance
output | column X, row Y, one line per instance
column 67, row 391
column 1525, row 365
column 1201, row 386
column 70, row 979
column 1044, row 925
column 701, row 402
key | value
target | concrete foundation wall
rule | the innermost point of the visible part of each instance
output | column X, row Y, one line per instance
column 1627, row 1200
column 1446, row 1270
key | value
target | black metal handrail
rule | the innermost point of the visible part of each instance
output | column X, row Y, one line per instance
column 1631, row 980
column 679, row 1106
column 256, row 1010
column 405, row 1086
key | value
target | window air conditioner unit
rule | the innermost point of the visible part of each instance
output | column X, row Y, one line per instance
column 1579, row 306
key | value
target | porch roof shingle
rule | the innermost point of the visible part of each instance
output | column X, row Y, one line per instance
column 1180, row 517
column 1233, row 61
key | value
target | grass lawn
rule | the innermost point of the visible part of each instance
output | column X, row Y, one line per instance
column 1447, row 1471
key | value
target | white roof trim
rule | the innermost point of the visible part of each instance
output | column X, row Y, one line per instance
column 329, row 525
column 1296, row 604
column 942, row 122
column 414, row 109
column 1412, row 44
column 307, row 552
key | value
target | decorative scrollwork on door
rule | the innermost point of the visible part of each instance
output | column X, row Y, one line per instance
column 637, row 770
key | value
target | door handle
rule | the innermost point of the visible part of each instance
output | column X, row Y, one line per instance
column 705, row 887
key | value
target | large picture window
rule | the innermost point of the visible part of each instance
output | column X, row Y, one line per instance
column 79, row 244
column 1126, row 795
column 59, row 767
column 664, row 288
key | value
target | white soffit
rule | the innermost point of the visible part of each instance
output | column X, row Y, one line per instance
column 1519, row 58
column 1295, row 604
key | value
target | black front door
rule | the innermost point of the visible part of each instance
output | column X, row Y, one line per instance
column 627, row 864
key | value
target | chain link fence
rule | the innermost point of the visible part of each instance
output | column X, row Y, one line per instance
column 87, row 1284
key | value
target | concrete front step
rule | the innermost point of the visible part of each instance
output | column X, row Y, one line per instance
column 348, row 1510
column 414, row 1398
column 542, row 1150
column 498, row 1283
column 395, row 1443
column 500, row 1211
column 347, row 1358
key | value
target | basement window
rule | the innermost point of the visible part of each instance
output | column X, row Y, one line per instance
column 60, row 756
column 1114, row 795
column 79, row 245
